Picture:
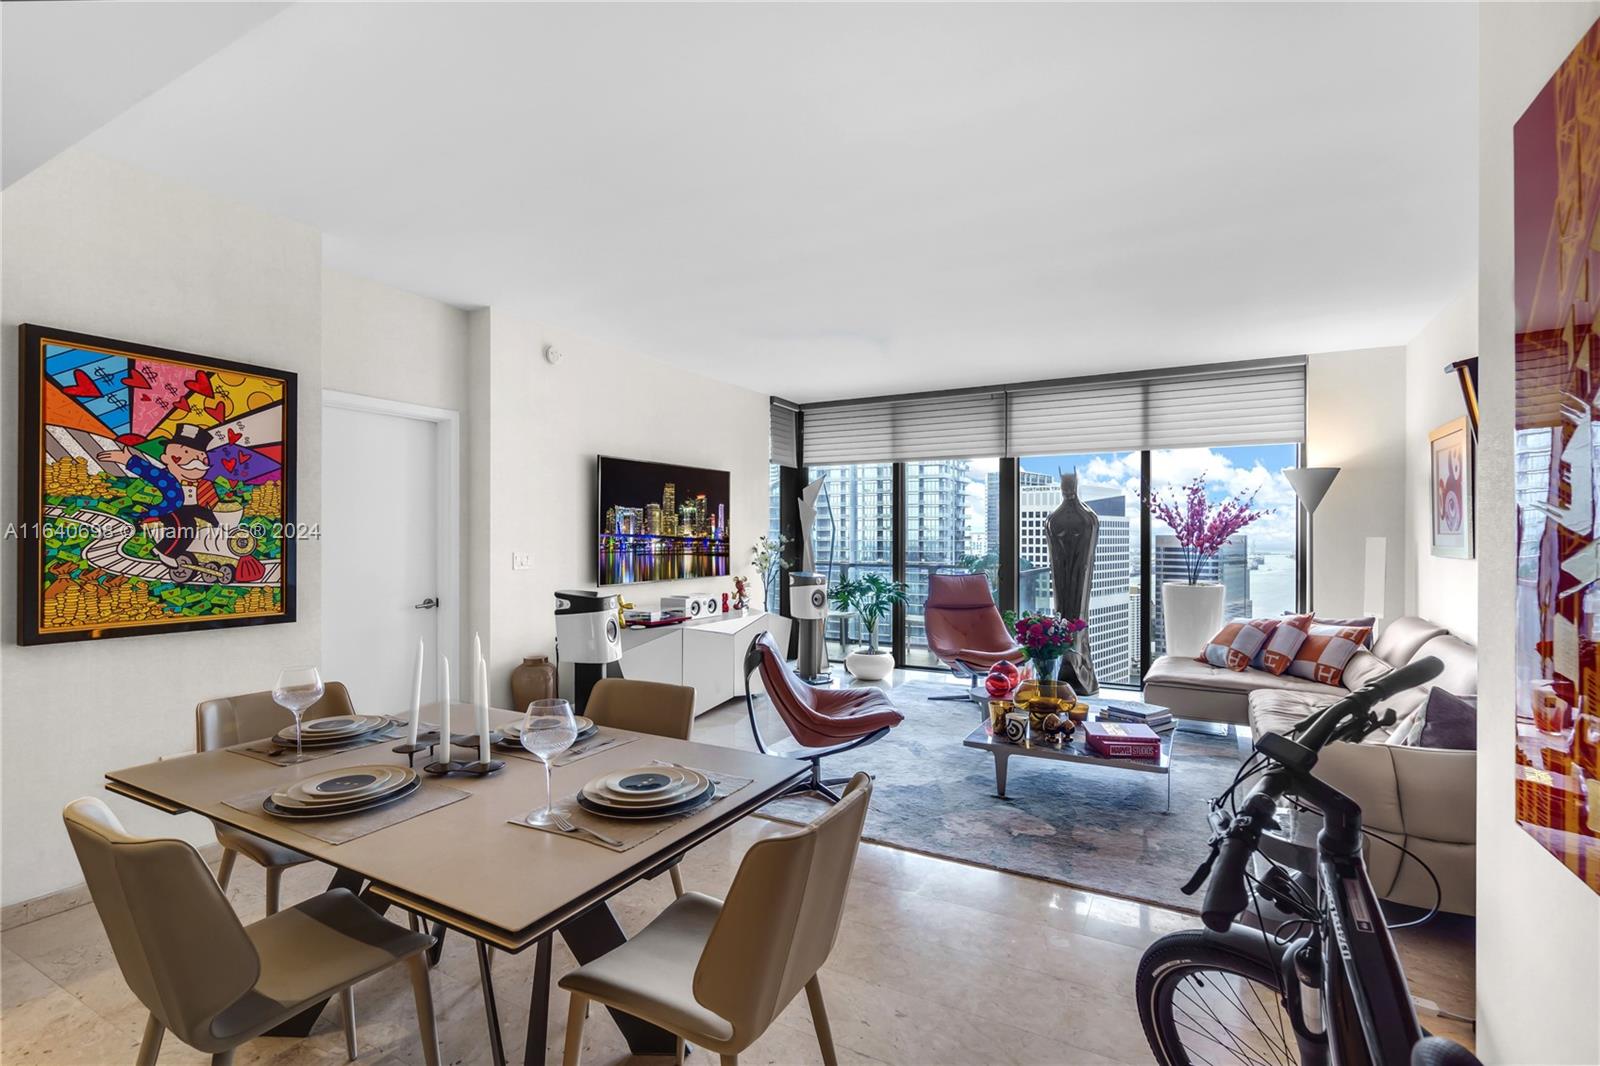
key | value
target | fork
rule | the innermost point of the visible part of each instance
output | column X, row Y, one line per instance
column 567, row 827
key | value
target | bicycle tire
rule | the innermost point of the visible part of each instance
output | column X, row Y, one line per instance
column 1162, row 971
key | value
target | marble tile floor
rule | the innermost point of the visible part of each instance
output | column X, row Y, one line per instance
column 936, row 963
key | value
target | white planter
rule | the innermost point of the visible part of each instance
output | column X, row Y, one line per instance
column 1192, row 615
column 869, row 666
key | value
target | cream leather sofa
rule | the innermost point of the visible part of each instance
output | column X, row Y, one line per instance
column 1422, row 798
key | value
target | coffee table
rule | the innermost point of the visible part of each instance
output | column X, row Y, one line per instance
column 1074, row 750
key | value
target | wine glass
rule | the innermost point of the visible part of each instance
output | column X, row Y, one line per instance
column 297, row 688
column 548, row 729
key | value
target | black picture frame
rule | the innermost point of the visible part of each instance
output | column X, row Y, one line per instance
column 31, row 503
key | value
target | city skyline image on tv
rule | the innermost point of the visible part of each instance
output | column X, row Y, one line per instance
column 660, row 521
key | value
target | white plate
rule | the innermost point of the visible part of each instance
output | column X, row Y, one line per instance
column 513, row 730
column 625, row 789
column 345, row 727
column 343, row 786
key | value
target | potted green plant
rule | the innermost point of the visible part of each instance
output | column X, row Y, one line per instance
column 871, row 597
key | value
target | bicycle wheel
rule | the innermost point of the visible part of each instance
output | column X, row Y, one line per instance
column 1205, row 1005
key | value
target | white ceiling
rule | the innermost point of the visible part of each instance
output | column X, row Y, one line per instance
column 830, row 200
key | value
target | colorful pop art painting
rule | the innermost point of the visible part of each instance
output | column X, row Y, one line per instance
column 1557, row 161
column 156, row 490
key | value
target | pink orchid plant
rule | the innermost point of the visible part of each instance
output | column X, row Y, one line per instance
column 1202, row 528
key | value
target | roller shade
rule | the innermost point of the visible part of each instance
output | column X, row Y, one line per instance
column 784, row 439
column 1212, row 407
column 943, row 426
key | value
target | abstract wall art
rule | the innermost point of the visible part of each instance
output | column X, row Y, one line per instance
column 1450, row 451
column 156, row 490
column 1557, row 197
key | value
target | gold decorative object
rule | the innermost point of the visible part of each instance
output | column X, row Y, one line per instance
column 997, row 716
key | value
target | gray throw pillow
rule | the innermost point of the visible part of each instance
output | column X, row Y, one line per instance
column 1449, row 721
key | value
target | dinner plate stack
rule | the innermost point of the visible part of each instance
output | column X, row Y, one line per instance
column 332, row 731
column 512, row 732
column 647, row 792
column 348, row 790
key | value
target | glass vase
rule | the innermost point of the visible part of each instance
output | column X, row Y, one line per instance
column 1047, row 669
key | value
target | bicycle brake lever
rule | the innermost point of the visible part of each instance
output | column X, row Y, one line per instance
column 1203, row 871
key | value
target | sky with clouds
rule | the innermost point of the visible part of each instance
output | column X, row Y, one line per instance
column 1227, row 471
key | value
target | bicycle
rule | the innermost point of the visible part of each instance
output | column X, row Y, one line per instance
column 1322, row 983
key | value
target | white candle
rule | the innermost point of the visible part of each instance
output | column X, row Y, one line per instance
column 477, row 657
column 416, row 697
column 483, row 711
column 444, row 707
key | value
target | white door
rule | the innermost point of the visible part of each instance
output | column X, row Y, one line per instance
column 379, row 555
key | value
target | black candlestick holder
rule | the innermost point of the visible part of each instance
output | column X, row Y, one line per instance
column 471, row 767
column 426, row 741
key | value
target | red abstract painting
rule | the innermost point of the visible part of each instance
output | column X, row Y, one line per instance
column 1557, row 159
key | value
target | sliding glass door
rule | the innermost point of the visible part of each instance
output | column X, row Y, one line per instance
column 1108, row 485
column 855, row 535
column 946, row 532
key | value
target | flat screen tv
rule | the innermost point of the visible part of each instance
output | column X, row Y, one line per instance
column 660, row 522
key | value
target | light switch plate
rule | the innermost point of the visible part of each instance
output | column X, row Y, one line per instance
column 522, row 560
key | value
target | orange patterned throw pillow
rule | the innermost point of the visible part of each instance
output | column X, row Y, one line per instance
column 1238, row 643
column 1284, row 643
column 1327, row 651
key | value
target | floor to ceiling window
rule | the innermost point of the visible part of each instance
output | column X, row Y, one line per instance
column 1257, row 566
column 948, row 531
column 855, row 536
column 1108, row 484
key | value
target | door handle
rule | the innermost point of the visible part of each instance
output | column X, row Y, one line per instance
column 426, row 605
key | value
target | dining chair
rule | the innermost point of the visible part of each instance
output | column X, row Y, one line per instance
column 965, row 629
column 230, row 720
column 716, row 973
column 644, row 707
column 208, row 978
column 824, row 721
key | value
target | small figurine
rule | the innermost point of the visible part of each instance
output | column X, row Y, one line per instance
column 741, row 593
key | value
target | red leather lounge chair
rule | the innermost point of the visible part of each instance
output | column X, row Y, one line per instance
column 825, row 721
column 965, row 629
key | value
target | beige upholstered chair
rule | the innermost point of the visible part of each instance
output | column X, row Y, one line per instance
column 230, row 720
column 716, row 973
column 212, row 981
column 644, row 707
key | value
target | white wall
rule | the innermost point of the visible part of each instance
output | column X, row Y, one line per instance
column 99, row 247
column 546, row 424
column 1355, row 420
column 1443, row 590
column 1538, row 926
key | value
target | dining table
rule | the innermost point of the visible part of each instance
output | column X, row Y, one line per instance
column 465, row 866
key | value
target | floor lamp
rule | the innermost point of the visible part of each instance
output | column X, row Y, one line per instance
column 1310, row 484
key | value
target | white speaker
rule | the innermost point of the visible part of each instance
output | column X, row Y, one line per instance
column 695, row 606
column 586, row 627
column 808, row 596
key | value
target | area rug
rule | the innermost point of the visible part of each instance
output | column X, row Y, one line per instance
column 1090, row 827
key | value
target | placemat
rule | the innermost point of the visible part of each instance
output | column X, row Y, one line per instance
column 605, row 741
column 268, row 752
column 345, row 828
column 627, row 833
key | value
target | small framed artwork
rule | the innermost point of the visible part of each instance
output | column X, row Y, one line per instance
column 1451, row 449
column 156, row 490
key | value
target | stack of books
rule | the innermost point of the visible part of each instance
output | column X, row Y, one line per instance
column 1157, row 718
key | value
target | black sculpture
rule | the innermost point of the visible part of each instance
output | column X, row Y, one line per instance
column 1073, row 531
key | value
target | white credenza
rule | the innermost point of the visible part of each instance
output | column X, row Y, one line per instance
column 707, row 655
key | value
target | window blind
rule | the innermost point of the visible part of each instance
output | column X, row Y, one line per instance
column 944, row 426
column 1220, row 405
column 783, row 440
